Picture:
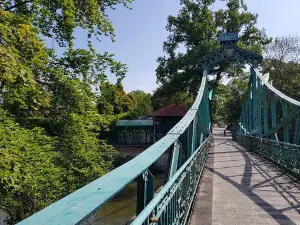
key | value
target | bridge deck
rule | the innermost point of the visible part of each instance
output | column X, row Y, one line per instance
column 240, row 188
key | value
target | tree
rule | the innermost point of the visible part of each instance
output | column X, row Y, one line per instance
column 30, row 179
column 49, row 124
column 282, row 62
column 238, row 91
column 50, row 127
column 228, row 100
column 114, row 100
column 142, row 103
column 23, row 58
column 59, row 18
column 161, row 99
column 220, row 101
column 197, row 28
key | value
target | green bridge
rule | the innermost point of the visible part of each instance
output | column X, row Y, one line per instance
column 250, row 178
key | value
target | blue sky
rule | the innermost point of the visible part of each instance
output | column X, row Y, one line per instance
column 140, row 33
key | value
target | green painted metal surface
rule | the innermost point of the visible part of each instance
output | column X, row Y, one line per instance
column 286, row 126
column 80, row 205
column 145, row 191
column 284, row 155
column 173, row 203
column 281, row 121
column 229, row 37
column 229, row 51
column 175, row 157
column 134, row 123
column 254, row 101
column 265, row 108
column 297, row 131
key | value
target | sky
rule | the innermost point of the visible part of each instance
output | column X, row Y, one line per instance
column 140, row 33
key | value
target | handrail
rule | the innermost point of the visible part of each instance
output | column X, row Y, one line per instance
column 155, row 201
column 282, row 154
column 277, row 92
column 270, row 140
column 81, row 204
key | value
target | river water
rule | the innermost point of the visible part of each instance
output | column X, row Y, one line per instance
column 121, row 209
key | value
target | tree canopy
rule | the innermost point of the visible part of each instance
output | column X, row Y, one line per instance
column 142, row 103
column 228, row 100
column 59, row 18
column 194, row 33
column 282, row 62
column 54, row 109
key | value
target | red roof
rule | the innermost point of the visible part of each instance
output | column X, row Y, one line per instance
column 170, row 110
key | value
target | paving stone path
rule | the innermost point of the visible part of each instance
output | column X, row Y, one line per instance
column 238, row 187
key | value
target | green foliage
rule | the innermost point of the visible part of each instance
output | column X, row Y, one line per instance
column 50, row 127
column 30, row 178
column 282, row 62
column 59, row 18
column 161, row 99
column 77, row 125
column 238, row 90
column 22, row 58
column 89, row 66
column 221, row 97
column 114, row 100
column 228, row 100
column 142, row 103
column 196, row 30
column 83, row 155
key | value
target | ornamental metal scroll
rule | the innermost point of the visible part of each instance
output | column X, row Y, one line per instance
column 229, row 51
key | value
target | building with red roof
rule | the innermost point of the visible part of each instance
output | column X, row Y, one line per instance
column 170, row 110
column 164, row 119
column 144, row 132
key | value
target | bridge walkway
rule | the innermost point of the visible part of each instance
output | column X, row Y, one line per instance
column 238, row 187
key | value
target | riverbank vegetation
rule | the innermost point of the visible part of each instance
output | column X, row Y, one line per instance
column 53, row 109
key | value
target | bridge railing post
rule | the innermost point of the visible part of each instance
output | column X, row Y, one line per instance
column 297, row 130
column 265, row 102
column 284, row 114
column 176, row 159
column 273, row 113
column 253, row 100
column 259, row 107
column 145, row 190
column 194, row 135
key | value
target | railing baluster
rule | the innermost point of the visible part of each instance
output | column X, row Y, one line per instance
column 254, row 100
column 266, row 125
column 249, row 110
column 297, row 130
column 189, row 141
column 259, row 107
column 273, row 112
column 194, row 134
column 247, row 117
column 285, row 127
column 174, row 160
column 145, row 190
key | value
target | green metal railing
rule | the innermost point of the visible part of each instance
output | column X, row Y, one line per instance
column 172, row 203
column 270, row 124
column 284, row 155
